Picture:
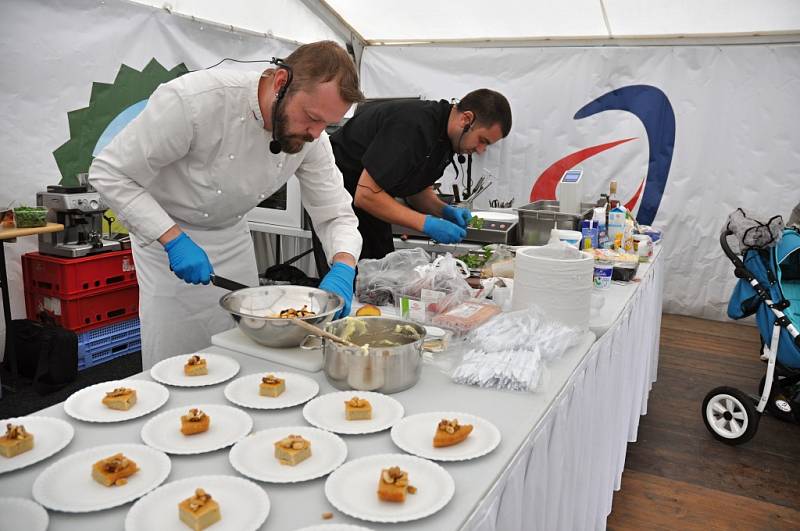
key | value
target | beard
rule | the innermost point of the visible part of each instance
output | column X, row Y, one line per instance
column 290, row 143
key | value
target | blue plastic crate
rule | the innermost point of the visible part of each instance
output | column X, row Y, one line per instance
column 106, row 343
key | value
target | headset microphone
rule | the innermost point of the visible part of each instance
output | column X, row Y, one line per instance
column 461, row 158
column 275, row 144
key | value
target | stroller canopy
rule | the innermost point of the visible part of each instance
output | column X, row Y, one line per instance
column 787, row 259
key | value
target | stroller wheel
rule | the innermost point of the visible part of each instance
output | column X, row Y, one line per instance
column 777, row 405
column 730, row 415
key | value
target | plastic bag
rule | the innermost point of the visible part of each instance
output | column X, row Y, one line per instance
column 510, row 351
column 377, row 280
column 433, row 289
column 750, row 233
column 501, row 264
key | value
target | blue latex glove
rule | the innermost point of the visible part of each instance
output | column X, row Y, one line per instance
column 458, row 215
column 442, row 230
column 339, row 280
column 188, row 261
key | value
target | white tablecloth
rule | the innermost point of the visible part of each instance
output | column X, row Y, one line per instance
column 565, row 474
column 560, row 459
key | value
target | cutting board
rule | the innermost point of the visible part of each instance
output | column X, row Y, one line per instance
column 234, row 339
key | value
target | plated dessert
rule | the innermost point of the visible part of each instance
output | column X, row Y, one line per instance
column 450, row 432
column 120, row 398
column 195, row 366
column 357, row 409
column 113, row 471
column 16, row 441
column 292, row 450
column 196, row 421
column 393, row 485
column 272, row 386
column 199, row 511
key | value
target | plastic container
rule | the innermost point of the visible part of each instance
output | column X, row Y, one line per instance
column 570, row 237
column 70, row 277
column 467, row 316
column 625, row 271
column 84, row 313
column 30, row 217
column 108, row 342
column 603, row 271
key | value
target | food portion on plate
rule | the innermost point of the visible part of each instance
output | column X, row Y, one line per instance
column 393, row 485
column 16, row 441
column 292, row 450
column 357, row 409
column 199, row 511
column 195, row 366
column 368, row 310
column 113, row 471
column 271, row 386
column 196, row 421
column 450, row 432
column 121, row 398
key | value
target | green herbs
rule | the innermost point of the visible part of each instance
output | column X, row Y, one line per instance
column 476, row 259
column 28, row 217
column 475, row 223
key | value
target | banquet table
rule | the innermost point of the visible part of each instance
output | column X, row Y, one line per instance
column 560, row 459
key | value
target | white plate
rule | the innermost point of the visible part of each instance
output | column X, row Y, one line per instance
column 327, row 412
column 244, row 391
column 352, row 488
column 335, row 527
column 67, row 484
column 243, row 505
column 170, row 371
column 87, row 404
column 254, row 456
column 228, row 426
column 23, row 514
column 414, row 434
column 50, row 436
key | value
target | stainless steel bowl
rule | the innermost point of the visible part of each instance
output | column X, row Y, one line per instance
column 384, row 369
column 252, row 309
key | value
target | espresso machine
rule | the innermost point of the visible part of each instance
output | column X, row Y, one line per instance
column 80, row 209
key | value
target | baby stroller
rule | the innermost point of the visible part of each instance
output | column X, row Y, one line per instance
column 769, row 287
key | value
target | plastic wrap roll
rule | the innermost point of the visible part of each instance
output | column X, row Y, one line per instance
column 557, row 279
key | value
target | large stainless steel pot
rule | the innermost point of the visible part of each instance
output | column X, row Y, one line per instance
column 384, row 369
column 252, row 309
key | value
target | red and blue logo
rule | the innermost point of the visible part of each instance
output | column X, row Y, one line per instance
column 652, row 107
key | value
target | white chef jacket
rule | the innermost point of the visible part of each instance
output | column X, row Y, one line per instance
column 198, row 155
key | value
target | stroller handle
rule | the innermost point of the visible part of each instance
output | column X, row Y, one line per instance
column 741, row 270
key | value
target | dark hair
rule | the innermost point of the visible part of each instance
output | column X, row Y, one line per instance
column 320, row 62
column 489, row 108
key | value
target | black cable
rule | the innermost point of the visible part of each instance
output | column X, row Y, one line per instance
column 235, row 61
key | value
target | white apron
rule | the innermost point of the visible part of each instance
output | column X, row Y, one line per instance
column 180, row 318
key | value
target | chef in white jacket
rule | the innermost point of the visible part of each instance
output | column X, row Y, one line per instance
column 208, row 147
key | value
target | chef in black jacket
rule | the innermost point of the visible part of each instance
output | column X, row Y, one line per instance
column 400, row 149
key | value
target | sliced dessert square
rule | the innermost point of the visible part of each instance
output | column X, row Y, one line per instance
column 120, row 398
column 357, row 409
column 195, row 366
column 450, row 432
column 196, row 421
column 15, row 441
column 114, row 470
column 393, row 485
column 292, row 450
column 271, row 385
column 199, row 511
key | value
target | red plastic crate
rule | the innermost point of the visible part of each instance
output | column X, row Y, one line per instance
column 85, row 312
column 68, row 277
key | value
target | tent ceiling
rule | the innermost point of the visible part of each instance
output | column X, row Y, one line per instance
column 390, row 21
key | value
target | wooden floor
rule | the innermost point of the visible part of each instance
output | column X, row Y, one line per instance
column 676, row 475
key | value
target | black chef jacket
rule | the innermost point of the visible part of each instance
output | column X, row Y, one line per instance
column 404, row 146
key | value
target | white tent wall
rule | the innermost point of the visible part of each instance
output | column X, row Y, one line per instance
column 53, row 51
column 736, row 143
column 285, row 19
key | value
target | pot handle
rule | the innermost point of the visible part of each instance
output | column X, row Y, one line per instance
column 311, row 342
